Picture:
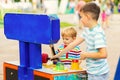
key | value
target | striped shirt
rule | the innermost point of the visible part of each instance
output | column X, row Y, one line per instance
column 95, row 39
column 70, row 55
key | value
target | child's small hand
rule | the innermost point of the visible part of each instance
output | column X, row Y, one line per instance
column 51, row 58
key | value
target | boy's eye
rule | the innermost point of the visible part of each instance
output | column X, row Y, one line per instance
column 66, row 39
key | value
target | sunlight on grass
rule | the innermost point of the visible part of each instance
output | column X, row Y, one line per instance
column 65, row 24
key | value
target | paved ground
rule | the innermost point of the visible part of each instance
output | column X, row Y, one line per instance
column 9, row 49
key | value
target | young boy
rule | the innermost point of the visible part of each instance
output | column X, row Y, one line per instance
column 68, row 36
column 96, row 53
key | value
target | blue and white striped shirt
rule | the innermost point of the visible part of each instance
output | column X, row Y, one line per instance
column 95, row 39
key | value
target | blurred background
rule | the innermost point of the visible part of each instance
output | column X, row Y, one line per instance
column 66, row 11
column 50, row 6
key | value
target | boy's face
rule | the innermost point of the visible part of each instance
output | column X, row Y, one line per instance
column 84, row 19
column 67, row 40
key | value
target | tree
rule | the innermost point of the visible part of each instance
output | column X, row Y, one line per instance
column 17, row 0
column 116, row 2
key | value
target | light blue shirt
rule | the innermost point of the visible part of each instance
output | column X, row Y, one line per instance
column 95, row 39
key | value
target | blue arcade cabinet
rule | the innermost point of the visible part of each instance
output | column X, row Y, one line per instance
column 31, row 30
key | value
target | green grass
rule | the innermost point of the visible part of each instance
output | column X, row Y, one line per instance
column 62, row 24
column 115, row 10
column 65, row 24
column 4, row 11
column 1, row 24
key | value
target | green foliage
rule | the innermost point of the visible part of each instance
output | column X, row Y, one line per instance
column 17, row 0
column 116, row 2
column 59, row 2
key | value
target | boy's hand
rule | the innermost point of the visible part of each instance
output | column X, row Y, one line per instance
column 82, row 56
column 52, row 58
column 55, row 60
column 51, row 45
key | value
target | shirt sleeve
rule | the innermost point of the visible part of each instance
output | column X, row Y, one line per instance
column 100, row 40
column 83, row 35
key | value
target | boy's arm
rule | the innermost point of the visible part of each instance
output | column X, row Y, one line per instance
column 69, row 47
column 102, row 53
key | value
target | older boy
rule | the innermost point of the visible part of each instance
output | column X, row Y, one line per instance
column 94, row 36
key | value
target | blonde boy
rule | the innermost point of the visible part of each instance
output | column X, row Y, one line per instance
column 68, row 35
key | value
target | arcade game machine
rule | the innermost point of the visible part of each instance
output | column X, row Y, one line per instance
column 32, row 30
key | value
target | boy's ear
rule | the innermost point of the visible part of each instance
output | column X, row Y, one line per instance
column 88, row 16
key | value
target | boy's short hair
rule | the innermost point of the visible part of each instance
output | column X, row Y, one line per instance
column 69, row 32
column 91, row 8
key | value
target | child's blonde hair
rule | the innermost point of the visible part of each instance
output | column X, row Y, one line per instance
column 70, row 32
